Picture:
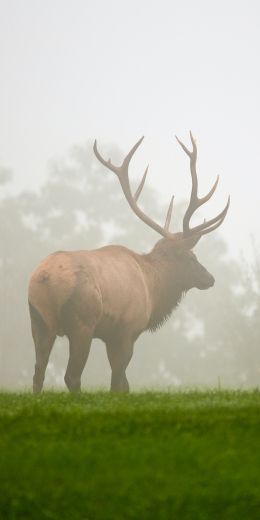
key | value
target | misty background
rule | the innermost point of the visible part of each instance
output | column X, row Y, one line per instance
column 75, row 71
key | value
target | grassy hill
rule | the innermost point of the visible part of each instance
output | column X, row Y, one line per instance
column 97, row 456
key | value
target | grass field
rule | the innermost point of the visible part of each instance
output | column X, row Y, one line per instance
column 163, row 456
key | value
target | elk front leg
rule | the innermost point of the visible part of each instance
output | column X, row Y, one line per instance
column 119, row 355
column 79, row 346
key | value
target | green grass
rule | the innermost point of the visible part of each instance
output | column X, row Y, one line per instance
column 97, row 456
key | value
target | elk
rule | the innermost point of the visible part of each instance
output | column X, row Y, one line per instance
column 113, row 293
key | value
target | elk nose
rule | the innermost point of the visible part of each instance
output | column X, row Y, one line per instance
column 211, row 280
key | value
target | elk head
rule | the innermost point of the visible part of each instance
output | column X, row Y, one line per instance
column 174, row 245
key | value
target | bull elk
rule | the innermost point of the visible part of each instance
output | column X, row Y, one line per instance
column 113, row 293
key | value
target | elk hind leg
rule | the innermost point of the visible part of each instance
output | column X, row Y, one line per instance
column 79, row 347
column 43, row 342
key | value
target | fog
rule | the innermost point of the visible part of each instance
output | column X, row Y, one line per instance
column 75, row 71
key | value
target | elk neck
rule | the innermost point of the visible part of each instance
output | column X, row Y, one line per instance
column 164, row 281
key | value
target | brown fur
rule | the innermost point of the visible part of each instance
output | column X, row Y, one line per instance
column 111, row 293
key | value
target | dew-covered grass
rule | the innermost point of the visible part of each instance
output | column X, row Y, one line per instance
column 150, row 455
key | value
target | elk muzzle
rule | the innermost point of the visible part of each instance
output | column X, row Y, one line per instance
column 205, row 280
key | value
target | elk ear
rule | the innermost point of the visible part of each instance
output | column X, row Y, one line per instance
column 185, row 244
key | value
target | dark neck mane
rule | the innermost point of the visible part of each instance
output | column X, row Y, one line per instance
column 166, row 288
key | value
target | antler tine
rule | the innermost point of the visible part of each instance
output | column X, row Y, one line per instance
column 169, row 215
column 117, row 169
column 210, row 193
column 108, row 163
column 186, row 150
column 130, row 154
column 141, row 185
column 194, row 200
column 213, row 223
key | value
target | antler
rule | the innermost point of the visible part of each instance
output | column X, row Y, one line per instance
column 123, row 176
column 195, row 201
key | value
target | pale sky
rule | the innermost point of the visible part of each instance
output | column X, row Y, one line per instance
column 75, row 70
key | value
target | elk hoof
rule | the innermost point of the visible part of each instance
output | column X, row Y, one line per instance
column 73, row 386
column 37, row 388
